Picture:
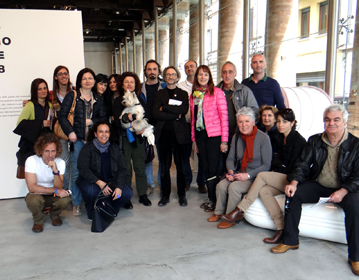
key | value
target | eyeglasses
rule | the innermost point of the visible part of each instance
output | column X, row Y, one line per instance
column 171, row 75
column 62, row 74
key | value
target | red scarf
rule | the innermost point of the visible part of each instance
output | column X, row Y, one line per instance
column 248, row 151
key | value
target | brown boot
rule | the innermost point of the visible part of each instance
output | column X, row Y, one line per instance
column 224, row 225
column 202, row 188
column 214, row 218
column 57, row 222
column 37, row 228
column 234, row 217
column 278, row 236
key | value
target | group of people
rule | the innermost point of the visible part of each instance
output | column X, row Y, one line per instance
column 266, row 155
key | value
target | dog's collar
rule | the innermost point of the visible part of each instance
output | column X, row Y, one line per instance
column 136, row 104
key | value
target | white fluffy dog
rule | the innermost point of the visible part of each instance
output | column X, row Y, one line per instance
column 134, row 107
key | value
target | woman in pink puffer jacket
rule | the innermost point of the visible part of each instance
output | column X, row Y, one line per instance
column 209, row 125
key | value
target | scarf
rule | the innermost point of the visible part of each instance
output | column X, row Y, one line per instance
column 198, row 96
column 248, row 151
column 103, row 148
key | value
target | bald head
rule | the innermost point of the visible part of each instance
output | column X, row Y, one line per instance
column 258, row 64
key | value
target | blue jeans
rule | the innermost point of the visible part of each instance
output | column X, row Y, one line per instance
column 65, row 155
column 76, row 194
column 149, row 172
column 90, row 192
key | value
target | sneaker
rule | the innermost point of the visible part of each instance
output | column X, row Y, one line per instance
column 76, row 210
column 150, row 190
column 204, row 204
column 210, row 207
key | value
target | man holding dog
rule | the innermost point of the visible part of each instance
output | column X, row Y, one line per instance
column 328, row 167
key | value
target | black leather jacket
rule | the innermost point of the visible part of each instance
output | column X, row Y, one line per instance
column 311, row 162
column 285, row 155
column 89, row 165
column 98, row 113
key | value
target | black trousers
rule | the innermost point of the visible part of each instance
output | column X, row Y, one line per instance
column 167, row 145
column 209, row 151
column 310, row 192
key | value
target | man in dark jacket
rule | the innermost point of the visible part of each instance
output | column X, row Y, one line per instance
column 327, row 167
column 170, row 106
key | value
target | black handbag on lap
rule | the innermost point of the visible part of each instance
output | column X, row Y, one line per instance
column 103, row 214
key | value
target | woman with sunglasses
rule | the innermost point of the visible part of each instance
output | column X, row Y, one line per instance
column 269, row 184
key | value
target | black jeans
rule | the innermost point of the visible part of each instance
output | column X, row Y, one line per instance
column 310, row 192
column 209, row 151
column 168, row 144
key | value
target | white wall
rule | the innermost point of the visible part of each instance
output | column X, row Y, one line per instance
column 40, row 41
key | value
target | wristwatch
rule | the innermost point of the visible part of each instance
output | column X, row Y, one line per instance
column 57, row 173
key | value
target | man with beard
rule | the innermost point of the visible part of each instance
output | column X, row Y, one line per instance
column 149, row 88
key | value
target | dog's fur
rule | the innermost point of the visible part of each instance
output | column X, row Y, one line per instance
column 133, row 107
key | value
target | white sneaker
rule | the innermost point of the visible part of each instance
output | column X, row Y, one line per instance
column 76, row 210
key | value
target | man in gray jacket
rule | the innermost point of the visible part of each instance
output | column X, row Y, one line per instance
column 237, row 95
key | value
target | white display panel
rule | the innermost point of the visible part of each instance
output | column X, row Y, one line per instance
column 32, row 44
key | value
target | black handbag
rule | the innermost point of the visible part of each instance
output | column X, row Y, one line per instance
column 103, row 214
column 150, row 153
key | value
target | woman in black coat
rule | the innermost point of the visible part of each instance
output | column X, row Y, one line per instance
column 89, row 110
column 101, row 166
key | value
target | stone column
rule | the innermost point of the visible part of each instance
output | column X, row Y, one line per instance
column 193, row 33
column 230, row 34
column 163, row 45
column 280, row 52
column 150, row 49
column 353, row 107
column 139, row 60
column 180, row 26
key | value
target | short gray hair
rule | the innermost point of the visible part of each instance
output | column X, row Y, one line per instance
column 230, row 63
column 174, row 68
column 246, row 111
column 337, row 107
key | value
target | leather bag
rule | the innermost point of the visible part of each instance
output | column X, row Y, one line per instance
column 57, row 127
column 103, row 214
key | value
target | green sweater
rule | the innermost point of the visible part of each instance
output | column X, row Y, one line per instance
column 28, row 113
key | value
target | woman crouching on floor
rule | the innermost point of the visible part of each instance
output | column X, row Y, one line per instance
column 102, row 166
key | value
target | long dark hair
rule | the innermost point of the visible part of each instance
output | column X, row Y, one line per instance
column 196, row 85
column 288, row 115
column 101, row 78
column 80, row 75
column 117, row 80
column 34, row 86
column 55, row 83
column 137, row 83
